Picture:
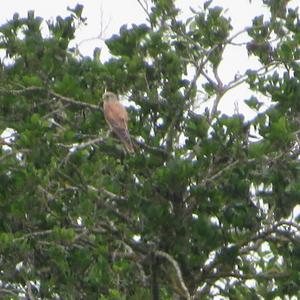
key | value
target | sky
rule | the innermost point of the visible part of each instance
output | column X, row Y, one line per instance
column 105, row 17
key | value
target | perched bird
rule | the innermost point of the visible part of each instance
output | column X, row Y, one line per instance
column 117, row 118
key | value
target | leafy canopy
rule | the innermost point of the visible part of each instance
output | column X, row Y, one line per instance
column 199, row 210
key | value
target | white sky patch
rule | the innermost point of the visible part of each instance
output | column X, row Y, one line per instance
column 136, row 237
column 79, row 221
column 214, row 220
column 182, row 139
column 127, row 103
column 140, row 139
column 195, row 216
column 159, row 122
column 74, row 148
column 19, row 265
column 152, row 133
column 136, row 180
column 251, row 283
column 296, row 211
column 8, row 135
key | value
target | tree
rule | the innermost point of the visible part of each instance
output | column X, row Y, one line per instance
column 201, row 209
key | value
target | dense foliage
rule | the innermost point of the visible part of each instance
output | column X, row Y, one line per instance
column 204, row 206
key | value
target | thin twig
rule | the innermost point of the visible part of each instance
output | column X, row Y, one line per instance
column 145, row 8
column 235, row 82
column 199, row 70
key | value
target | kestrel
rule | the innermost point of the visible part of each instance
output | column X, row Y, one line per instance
column 117, row 118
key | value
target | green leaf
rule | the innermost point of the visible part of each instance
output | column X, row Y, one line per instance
column 207, row 4
column 254, row 103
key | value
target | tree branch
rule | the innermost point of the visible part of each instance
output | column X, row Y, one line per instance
column 7, row 291
column 175, row 264
column 107, row 193
column 263, row 275
column 82, row 145
column 74, row 102
column 158, row 150
column 145, row 8
column 154, row 283
column 22, row 90
column 29, row 290
column 52, row 93
column 213, row 270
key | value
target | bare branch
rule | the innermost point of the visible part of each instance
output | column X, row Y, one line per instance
column 61, row 97
column 145, row 8
column 241, row 79
column 29, row 290
column 177, row 269
column 33, row 234
column 271, row 233
column 102, row 31
column 215, row 85
column 150, row 148
column 74, row 102
column 220, row 173
column 83, row 145
column 7, row 291
column 213, row 270
column 107, row 193
column 22, row 90
column 265, row 275
column 289, row 224
column 75, row 147
column 199, row 70
column 219, row 81
column 214, row 109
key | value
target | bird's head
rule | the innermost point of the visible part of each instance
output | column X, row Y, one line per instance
column 107, row 96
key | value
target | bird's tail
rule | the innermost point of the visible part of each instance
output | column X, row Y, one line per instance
column 125, row 138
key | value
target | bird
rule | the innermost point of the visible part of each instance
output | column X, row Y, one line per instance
column 116, row 117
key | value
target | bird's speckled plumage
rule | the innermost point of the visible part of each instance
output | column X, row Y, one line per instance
column 117, row 118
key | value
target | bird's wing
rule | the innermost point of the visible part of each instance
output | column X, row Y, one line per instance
column 115, row 114
column 117, row 118
column 124, row 136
